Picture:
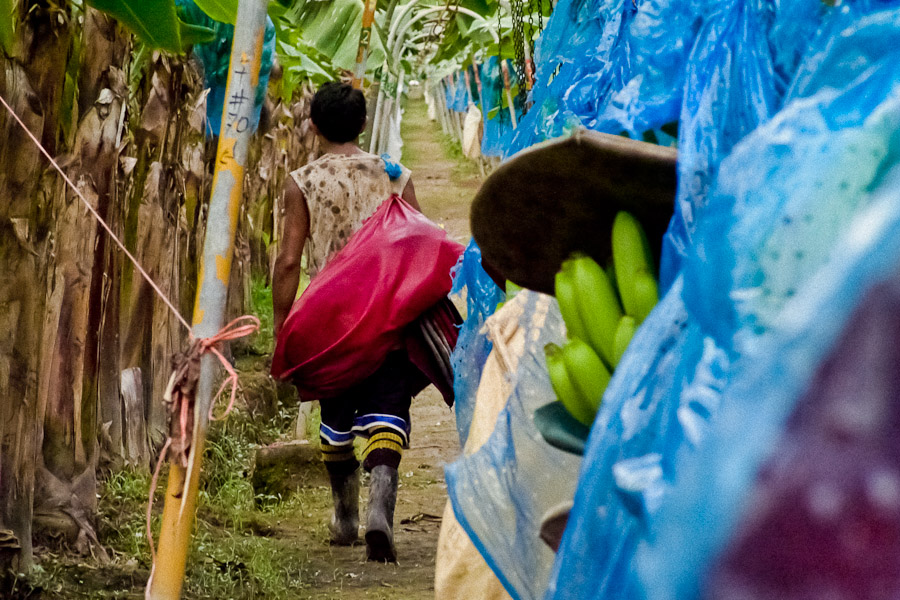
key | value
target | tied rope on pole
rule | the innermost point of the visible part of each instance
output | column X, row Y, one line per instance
column 180, row 394
column 182, row 489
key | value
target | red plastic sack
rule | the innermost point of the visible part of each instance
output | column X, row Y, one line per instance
column 355, row 310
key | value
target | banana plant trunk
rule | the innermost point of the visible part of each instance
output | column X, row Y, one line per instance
column 31, row 81
column 78, row 299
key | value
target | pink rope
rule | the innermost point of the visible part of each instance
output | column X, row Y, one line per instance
column 238, row 328
column 97, row 216
column 232, row 331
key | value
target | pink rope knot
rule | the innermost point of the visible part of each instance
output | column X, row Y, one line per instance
column 240, row 327
column 181, row 393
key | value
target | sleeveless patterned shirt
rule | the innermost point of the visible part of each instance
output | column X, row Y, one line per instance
column 341, row 192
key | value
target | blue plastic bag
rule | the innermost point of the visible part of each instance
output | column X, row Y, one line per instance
column 501, row 492
column 731, row 89
column 798, row 245
column 460, row 93
column 496, row 119
column 472, row 346
column 621, row 69
column 449, row 92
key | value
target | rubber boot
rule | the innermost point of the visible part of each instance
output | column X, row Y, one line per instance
column 345, row 520
column 380, row 515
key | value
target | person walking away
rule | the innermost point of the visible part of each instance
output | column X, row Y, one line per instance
column 326, row 202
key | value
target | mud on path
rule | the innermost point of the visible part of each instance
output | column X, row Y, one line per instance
column 247, row 548
column 340, row 572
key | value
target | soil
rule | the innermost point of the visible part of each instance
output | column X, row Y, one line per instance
column 339, row 572
column 298, row 538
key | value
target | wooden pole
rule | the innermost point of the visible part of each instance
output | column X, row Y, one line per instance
column 167, row 576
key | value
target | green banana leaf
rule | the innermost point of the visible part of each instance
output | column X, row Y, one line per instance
column 224, row 11
column 305, row 61
column 332, row 29
column 560, row 429
column 479, row 6
column 7, row 26
column 156, row 22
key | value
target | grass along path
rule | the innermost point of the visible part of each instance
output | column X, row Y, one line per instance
column 250, row 545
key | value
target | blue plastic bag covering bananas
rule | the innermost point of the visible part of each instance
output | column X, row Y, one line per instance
column 497, row 122
column 501, row 492
column 621, row 67
column 669, row 384
column 460, row 93
column 472, row 346
column 808, row 209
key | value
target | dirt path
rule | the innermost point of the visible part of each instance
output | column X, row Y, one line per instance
column 445, row 182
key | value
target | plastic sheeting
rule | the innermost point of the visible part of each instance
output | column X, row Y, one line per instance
column 621, row 67
column 449, row 92
column 731, row 89
column 745, row 57
column 502, row 491
column 671, row 381
column 498, row 125
column 810, row 227
column 460, row 96
column 472, row 346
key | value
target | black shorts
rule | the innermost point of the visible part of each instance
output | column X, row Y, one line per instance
column 379, row 402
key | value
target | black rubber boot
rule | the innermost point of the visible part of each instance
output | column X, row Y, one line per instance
column 380, row 515
column 345, row 520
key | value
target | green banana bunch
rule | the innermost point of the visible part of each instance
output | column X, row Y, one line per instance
column 598, row 327
column 634, row 266
column 578, row 377
column 589, row 305
column 624, row 332
column 567, row 298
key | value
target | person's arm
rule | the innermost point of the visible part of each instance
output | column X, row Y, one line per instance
column 409, row 194
column 286, row 277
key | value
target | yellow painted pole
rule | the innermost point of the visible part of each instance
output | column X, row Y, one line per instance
column 365, row 36
column 167, row 576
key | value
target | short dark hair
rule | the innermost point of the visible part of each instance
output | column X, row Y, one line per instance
column 339, row 112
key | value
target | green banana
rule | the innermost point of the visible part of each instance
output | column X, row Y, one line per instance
column 631, row 258
column 646, row 295
column 565, row 389
column 567, row 297
column 598, row 305
column 588, row 373
column 624, row 333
